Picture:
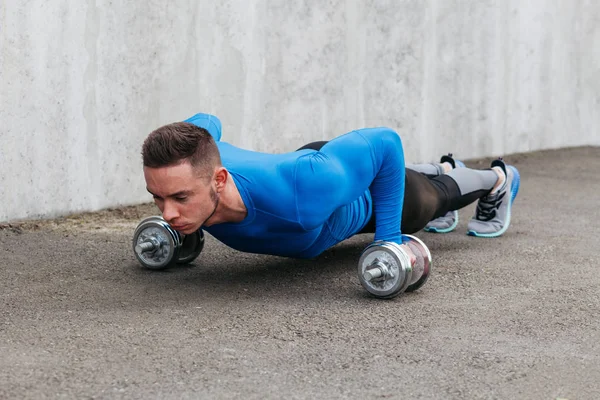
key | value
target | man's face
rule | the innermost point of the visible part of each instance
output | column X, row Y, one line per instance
column 185, row 197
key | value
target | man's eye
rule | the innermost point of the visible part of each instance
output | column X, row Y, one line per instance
column 182, row 199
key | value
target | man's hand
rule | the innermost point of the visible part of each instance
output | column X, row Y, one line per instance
column 413, row 258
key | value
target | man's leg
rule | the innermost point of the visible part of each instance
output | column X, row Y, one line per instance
column 431, row 170
column 494, row 188
column 426, row 199
column 449, row 221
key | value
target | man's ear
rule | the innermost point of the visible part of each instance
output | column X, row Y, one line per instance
column 221, row 178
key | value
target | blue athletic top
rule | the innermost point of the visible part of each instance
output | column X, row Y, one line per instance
column 303, row 202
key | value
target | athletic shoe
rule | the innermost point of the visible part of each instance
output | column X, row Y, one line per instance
column 492, row 216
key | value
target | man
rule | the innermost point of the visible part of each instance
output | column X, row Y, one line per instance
column 301, row 203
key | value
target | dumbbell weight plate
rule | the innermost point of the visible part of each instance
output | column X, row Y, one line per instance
column 166, row 243
column 423, row 268
column 397, row 263
column 191, row 247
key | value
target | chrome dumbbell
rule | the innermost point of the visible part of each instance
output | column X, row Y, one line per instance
column 385, row 271
column 158, row 246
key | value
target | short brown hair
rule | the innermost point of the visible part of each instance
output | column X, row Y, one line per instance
column 177, row 142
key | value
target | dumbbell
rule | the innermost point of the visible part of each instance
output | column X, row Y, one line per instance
column 385, row 271
column 158, row 246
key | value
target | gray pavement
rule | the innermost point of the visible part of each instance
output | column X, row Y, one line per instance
column 510, row 318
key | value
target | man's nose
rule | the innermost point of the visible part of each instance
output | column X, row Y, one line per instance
column 170, row 212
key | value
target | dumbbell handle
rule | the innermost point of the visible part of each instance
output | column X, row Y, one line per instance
column 147, row 245
column 379, row 269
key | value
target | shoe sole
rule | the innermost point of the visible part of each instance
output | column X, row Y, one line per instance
column 445, row 230
column 513, row 194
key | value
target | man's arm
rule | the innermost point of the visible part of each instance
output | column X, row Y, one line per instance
column 209, row 122
column 347, row 166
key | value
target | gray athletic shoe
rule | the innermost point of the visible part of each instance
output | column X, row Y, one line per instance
column 445, row 223
column 492, row 216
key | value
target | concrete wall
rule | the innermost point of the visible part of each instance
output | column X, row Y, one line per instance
column 83, row 82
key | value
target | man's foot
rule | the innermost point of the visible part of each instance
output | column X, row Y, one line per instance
column 445, row 223
column 492, row 216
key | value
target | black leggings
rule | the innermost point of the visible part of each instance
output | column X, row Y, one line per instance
column 425, row 198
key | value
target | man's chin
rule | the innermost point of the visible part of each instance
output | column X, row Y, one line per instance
column 186, row 230
column 189, row 231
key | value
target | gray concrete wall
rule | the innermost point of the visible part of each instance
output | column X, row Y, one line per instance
column 82, row 83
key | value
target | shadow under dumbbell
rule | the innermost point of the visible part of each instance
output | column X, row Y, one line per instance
column 221, row 270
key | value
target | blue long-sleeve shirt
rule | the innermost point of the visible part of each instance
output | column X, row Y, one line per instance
column 301, row 203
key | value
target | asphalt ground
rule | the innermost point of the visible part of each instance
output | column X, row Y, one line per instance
column 515, row 317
